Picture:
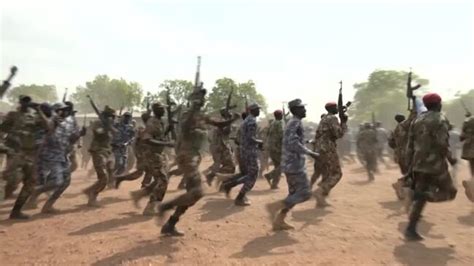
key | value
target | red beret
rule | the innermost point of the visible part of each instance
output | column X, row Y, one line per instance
column 431, row 98
column 277, row 112
column 329, row 104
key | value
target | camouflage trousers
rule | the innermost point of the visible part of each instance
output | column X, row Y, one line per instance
column 328, row 166
column 222, row 157
column 73, row 161
column 103, row 162
column 370, row 158
column 121, row 156
column 56, row 177
column 157, row 167
column 298, row 189
column 189, row 163
column 26, row 163
column 14, row 174
column 249, row 173
column 275, row 174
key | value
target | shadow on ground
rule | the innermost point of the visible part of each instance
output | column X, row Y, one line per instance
column 126, row 219
column 424, row 229
column 416, row 253
column 265, row 245
column 216, row 209
column 163, row 247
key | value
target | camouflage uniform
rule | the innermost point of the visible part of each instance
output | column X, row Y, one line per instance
column 221, row 152
column 22, row 126
column 86, row 143
column 263, row 155
column 274, row 147
column 122, row 139
column 382, row 139
column 102, row 159
column 327, row 165
column 467, row 136
column 367, row 145
column 428, row 149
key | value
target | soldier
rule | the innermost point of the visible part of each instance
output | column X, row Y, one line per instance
column 156, row 160
column 398, row 142
column 382, row 139
column 263, row 155
column 467, row 136
column 329, row 130
column 54, row 157
column 367, row 145
column 249, row 145
column 101, row 153
column 139, row 149
column 274, row 145
column 293, row 165
column 192, row 135
column 428, row 151
column 23, row 124
column 221, row 150
column 86, row 143
column 121, row 141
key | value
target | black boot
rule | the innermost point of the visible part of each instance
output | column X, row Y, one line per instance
column 210, row 178
column 411, row 233
column 169, row 229
column 242, row 200
column 16, row 211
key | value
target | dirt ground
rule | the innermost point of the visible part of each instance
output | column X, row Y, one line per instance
column 362, row 227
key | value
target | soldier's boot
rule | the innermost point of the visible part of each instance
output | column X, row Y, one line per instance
column 48, row 208
column 169, row 228
column 408, row 199
column 32, row 202
column 182, row 184
column 275, row 182
column 320, row 199
column 91, row 198
column 242, row 200
column 274, row 208
column 269, row 178
column 150, row 209
column 137, row 196
column 468, row 189
column 16, row 213
column 371, row 176
column 411, row 234
column 397, row 186
column 279, row 224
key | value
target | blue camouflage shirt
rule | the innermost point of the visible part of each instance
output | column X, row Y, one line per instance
column 125, row 134
column 248, row 145
column 57, row 144
column 294, row 150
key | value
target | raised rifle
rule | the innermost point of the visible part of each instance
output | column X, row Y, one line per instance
column 341, row 108
column 198, row 84
column 65, row 95
column 468, row 113
column 373, row 119
column 169, row 110
column 85, row 120
column 102, row 119
column 285, row 114
column 410, row 96
column 228, row 105
column 6, row 83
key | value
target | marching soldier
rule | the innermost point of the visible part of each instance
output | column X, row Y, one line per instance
column 274, row 146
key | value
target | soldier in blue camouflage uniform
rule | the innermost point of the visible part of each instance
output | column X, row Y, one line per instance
column 23, row 124
column 249, row 145
column 293, row 165
column 191, row 137
column 428, row 153
column 122, row 139
column 53, row 156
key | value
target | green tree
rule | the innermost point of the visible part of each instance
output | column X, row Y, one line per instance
column 455, row 111
column 384, row 94
column 179, row 92
column 116, row 93
column 39, row 93
column 218, row 96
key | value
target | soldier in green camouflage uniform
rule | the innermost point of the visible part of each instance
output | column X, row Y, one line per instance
column 274, row 147
column 428, row 153
column 102, row 156
column 156, row 160
column 467, row 136
column 192, row 136
column 23, row 124
column 221, row 150
column 329, row 130
column 367, row 145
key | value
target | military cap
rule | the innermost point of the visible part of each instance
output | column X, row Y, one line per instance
column 431, row 98
column 127, row 114
column 254, row 106
column 295, row 103
column 277, row 112
column 330, row 104
column 24, row 98
column 59, row 106
column 158, row 105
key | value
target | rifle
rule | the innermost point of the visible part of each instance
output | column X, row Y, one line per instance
column 121, row 109
column 198, row 84
column 341, row 108
column 285, row 114
column 171, row 121
column 228, row 105
column 85, row 120
column 373, row 119
column 102, row 119
column 246, row 104
column 411, row 98
column 468, row 113
column 6, row 83
column 65, row 96
column 148, row 108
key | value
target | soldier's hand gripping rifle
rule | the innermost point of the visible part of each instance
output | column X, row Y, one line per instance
column 341, row 108
column 468, row 113
column 411, row 98
column 171, row 113
column 6, row 83
column 103, row 120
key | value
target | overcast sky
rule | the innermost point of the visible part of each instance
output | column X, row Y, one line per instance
column 288, row 48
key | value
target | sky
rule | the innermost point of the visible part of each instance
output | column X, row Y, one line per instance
column 290, row 49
